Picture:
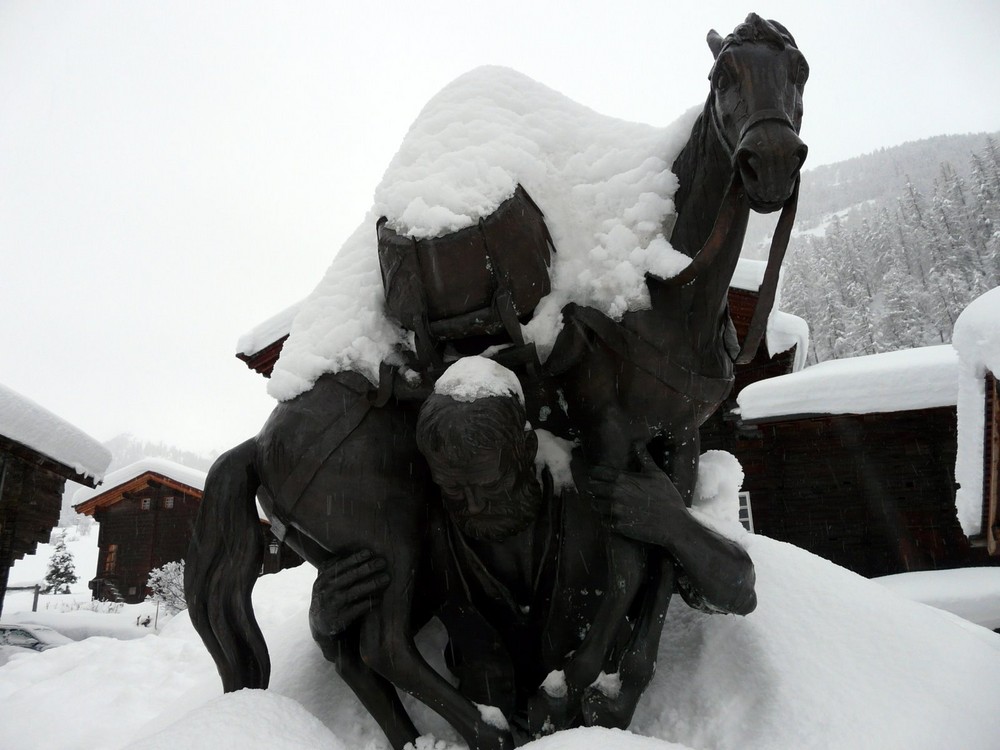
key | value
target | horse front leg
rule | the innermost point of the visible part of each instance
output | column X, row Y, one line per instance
column 613, row 705
column 558, row 703
column 387, row 646
column 345, row 591
column 376, row 693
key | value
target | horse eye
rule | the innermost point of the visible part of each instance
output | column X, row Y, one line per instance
column 802, row 74
column 722, row 81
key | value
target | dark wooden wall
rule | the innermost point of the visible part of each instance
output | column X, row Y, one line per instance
column 148, row 539
column 990, row 535
column 720, row 429
column 145, row 539
column 30, row 499
column 874, row 493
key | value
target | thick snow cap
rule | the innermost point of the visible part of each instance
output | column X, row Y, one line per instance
column 894, row 381
column 31, row 425
column 977, row 341
column 604, row 185
column 472, row 378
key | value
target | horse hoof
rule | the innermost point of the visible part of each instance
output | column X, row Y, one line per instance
column 612, row 712
column 548, row 714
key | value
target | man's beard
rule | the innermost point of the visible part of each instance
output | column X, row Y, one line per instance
column 505, row 517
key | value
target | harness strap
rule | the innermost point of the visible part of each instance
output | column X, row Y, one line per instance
column 769, row 286
column 296, row 483
column 732, row 204
column 646, row 357
column 761, row 115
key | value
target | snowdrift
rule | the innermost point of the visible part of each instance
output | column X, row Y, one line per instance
column 828, row 660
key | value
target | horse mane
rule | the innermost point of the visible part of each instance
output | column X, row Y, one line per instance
column 757, row 29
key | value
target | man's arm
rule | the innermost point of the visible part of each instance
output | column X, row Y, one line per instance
column 646, row 506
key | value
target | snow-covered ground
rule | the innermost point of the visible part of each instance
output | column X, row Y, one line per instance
column 828, row 660
column 971, row 593
column 74, row 614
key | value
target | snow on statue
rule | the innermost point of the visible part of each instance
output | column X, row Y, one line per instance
column 605, row 185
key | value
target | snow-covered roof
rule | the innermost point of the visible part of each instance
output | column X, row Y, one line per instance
column 749, row 275
column 266, row 333
column 604, row 185
column 784, row 331
column 894, row 381
column 31, row 425
column 977, row 340
column 185, row 475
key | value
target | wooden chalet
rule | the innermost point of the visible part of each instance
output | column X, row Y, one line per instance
column 147, row 513
column 39, row 452
column 854, row 461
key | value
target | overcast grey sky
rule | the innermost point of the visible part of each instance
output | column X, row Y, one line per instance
column 173, row 173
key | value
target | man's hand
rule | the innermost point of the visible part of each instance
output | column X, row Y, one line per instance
column 642, row 505
column 345, row 589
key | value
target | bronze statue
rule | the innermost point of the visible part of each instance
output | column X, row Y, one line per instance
column 641, row 388
column 412, row 505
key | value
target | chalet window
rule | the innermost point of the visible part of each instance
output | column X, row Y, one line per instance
column 146, row 503
column 131, row 590
column 746, row 512
column 111, row 560
column 168, row 503
column 273, row 547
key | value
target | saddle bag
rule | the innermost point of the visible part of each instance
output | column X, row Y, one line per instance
column 481, row 280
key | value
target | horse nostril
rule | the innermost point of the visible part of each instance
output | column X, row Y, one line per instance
column 745, row 159
column 800, row 156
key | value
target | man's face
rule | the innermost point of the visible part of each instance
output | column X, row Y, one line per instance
column 490, row 497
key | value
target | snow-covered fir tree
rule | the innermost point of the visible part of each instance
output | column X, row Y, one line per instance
column 62, row 571
column 894, row 278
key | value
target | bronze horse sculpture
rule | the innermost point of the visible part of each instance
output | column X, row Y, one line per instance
column 338, row 472
column 640, row 389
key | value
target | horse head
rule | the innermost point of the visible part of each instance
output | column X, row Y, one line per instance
column 756, row 105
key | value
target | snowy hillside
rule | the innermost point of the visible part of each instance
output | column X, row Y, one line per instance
column 896, row 272
column 828, row 660
column 867, row 180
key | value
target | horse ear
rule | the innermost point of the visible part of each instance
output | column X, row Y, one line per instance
column 715, row 43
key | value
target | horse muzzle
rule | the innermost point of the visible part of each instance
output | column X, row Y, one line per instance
column 769, row 156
